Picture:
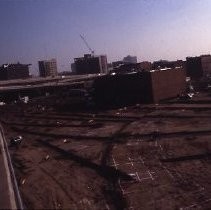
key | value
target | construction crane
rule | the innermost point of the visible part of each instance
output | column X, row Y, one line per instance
column 90, row 49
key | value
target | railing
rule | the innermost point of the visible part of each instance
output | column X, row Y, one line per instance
column 16, row 198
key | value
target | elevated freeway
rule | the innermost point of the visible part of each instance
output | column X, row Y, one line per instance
column 10, row 90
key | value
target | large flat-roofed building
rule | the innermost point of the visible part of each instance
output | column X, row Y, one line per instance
column 91, row 64
column 199, row 66
column 14, row 71
column 141, row 87
column 48, row 68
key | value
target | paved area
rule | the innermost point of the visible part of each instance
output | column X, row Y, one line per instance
column 7, row 198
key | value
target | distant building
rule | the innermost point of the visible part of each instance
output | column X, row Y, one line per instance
column 14, row 71
column 139, row 87
column 122, row 68
column 73, row 68
column 126, row 68
column 206, row 64
column 130, row 59
column 91, row 64
column 116, row 64
column 145, row 65
column 199, row 66
column 167, row 64
column 48, row 68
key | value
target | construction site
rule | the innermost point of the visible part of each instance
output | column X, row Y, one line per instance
column 140, row 156
column 105, row 105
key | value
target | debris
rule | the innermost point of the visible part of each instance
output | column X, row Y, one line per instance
column 89, row 187
column 132, row 174
column 47, row 157
column 65, row 140
column 2, row 103
column 15, row 141
column 91, row 121
column 117, row 113
column 23, row 181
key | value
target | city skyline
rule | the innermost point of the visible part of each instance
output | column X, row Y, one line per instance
column 35, row 30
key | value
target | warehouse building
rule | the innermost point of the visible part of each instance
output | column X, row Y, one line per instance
column 91, row 64
column 139, row 87
column 14, row 71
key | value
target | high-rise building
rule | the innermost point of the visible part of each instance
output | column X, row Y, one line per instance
column 91, row 64
column 48, row 68
column 14, row 71
column 130, row 59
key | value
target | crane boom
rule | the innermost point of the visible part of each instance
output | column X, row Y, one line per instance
column 90, row 49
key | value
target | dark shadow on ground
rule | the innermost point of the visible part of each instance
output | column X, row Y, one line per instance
column 108, row 172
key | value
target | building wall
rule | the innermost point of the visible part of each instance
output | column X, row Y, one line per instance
column 14, row 71
column 167, row 64
column 130, row 59
column 145, row 65
column 87, row 66
column 168, row 83
column 122, row 89
column 3, row 74
column 141, row 87
column 206, row 64
column 48, row 68
column 103, row 64
column 91, row 65
column 194, row 67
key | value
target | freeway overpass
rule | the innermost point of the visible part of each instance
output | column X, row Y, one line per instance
column 10, row 90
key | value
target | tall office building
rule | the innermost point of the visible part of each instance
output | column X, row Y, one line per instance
column 48, row 68
column 91, row 64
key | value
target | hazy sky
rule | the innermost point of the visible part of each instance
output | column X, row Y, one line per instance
column 31, row 30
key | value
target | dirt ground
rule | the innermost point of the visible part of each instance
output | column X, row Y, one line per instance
column 134, row 158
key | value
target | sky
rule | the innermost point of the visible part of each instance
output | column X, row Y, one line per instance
column 32, row 30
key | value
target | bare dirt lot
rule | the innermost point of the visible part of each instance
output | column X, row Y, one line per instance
column 138, row 157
